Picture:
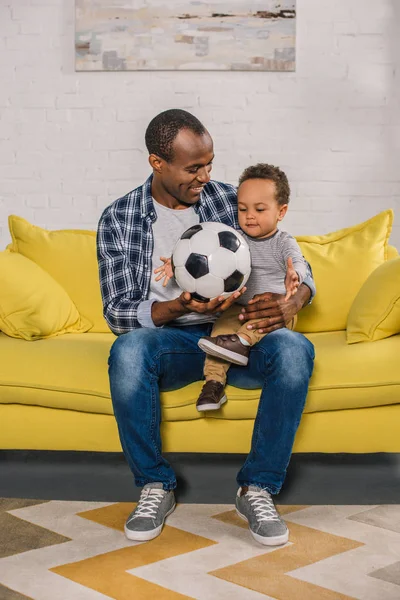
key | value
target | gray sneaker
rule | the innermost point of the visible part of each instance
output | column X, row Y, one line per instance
column 147, row 520
column 258, row 509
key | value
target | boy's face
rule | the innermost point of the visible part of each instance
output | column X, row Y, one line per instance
column 258, row 211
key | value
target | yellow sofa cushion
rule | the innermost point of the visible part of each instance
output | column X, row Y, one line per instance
column 70, row 372
column 69, row 256
column 341, row 262
column 375, row 312
column 392, row 253
column 33, row 305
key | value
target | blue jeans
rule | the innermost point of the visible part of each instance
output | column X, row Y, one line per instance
column 145, row 361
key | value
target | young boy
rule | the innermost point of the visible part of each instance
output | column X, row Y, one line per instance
column 277, row 266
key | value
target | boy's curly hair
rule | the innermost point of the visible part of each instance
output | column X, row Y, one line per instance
column 264, row 171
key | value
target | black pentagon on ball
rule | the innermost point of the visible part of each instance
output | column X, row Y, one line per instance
column 199, row 298
column 197, row 265
column 228, row 240
column 233, row 282
column 186, row 235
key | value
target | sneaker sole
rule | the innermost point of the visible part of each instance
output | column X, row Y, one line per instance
column 213, row 406
column 233, row 357
column 276, row 540
column 145, row 536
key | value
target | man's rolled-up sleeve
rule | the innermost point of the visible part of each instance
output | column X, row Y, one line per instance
column 144, row 314
column 309, row 282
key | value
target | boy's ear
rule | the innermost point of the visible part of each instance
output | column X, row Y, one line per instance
column 282, row 211
column 155, row 162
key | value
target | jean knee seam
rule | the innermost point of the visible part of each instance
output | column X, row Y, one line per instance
column 162, row 352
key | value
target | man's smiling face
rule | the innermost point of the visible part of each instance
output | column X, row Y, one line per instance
column 184, row 177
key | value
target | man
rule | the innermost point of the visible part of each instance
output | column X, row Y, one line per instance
column 158, row 329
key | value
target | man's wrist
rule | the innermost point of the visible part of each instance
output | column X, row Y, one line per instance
column 182, row 306
column 303, row 295
column 164, row 312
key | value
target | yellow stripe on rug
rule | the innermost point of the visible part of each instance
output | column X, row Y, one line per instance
column 267, row 573
column 107, row 573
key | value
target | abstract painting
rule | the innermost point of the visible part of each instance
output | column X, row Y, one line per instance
column 145, row 35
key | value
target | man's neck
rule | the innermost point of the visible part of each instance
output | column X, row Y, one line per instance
column 161, row 196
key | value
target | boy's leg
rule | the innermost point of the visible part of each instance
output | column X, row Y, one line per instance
column 224, row 342
column 215, row 369
column 253, row 336
column 212, row 396
column 228, row 322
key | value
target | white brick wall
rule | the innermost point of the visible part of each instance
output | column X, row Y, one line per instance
column 70, row 143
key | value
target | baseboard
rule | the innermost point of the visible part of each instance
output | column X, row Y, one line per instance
column 202, row 478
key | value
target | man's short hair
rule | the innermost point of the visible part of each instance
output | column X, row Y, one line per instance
column 163, row 129
column 264, row 171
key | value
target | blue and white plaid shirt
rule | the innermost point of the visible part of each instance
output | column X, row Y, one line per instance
column 125, row 249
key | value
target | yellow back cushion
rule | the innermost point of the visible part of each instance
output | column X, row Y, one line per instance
column 33, row 305
column 392, row 252
column 341, row 262
column 69, row 256
column 375, row 312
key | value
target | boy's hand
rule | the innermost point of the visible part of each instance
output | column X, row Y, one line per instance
column 292, row 281
column 164, row 271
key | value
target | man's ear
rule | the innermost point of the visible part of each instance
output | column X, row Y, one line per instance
column 282, row 211
column 156, row 162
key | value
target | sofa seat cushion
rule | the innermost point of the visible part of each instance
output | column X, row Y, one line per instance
column 71, row 372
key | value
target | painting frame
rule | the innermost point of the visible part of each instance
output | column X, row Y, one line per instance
column 229, row 35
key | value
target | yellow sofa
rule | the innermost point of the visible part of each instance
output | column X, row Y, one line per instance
column 54, row 390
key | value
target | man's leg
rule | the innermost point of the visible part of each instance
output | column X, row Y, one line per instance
column 141, row 363
column 281, row 365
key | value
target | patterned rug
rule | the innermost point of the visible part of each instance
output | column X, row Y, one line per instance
column 51, row 550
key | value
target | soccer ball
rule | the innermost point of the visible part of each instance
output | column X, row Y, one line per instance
column 211, row 259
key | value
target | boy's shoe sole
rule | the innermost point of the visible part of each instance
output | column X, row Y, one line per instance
column 277, row 540
column 233, row 357
column 212, row 405
column 145, row 536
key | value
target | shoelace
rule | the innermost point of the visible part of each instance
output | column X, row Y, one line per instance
column 263, row 505
column 149, row 502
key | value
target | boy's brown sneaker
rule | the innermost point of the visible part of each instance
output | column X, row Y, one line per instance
column 229, row 347
column 212, row 396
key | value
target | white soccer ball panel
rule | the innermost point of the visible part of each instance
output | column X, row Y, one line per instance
column 245, row 280
column 217, row 227
column 181, row 252
column 209, row 286
column 243, row 260
column 185, row 281
column 204, row 242
column 226, row 295
column 222, row 263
